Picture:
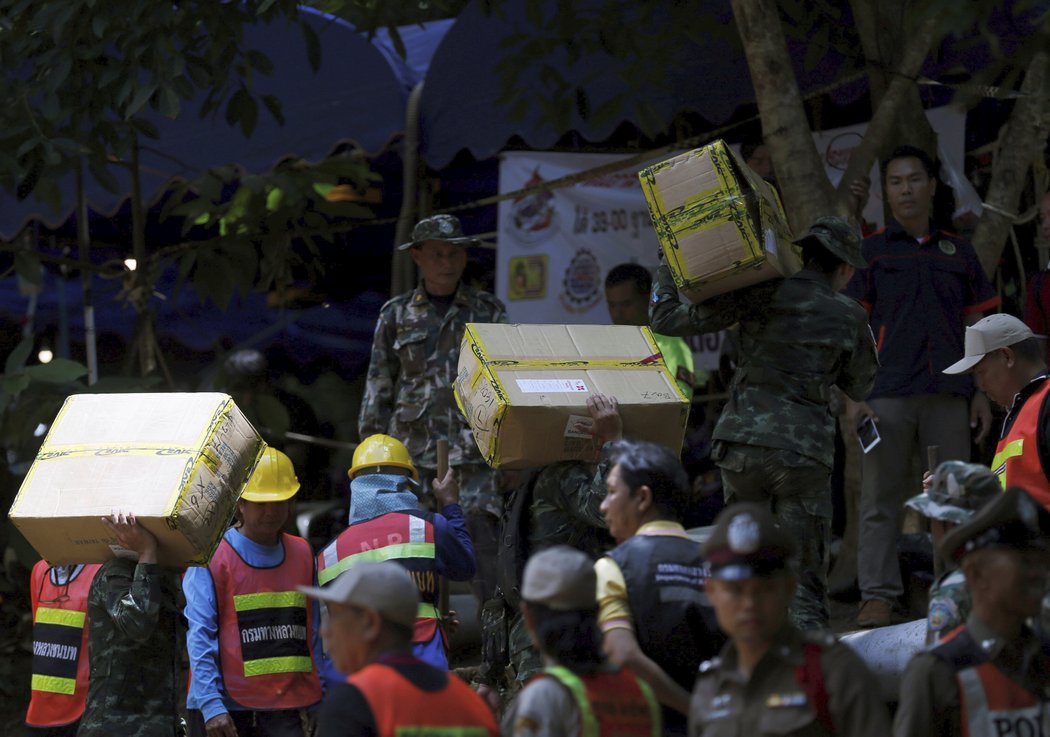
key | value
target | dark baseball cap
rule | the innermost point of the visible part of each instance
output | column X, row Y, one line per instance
column 839, row 237
column 438, row 228
column 746, row 543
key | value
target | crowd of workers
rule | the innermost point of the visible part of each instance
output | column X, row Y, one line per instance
column 600, row 614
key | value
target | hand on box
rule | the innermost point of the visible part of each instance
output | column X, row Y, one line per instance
column 608, row 426
column 131, row 535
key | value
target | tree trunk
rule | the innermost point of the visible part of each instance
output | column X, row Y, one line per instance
column 803, row 183
column 886, row 115
column 1020, row 141
column 882, row 27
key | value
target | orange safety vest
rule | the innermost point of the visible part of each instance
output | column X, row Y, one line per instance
column 265, row 628
column 401, row 536
column 1016, row 461
column 992, row 704
column 60, row 650
column 611, row 704
column 401, row 709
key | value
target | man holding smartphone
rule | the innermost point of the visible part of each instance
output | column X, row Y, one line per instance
column 775, row 438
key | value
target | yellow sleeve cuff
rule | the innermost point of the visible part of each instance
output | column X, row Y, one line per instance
column 614, row 610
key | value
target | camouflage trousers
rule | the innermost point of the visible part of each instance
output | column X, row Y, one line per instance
column 482, row 504
column 524, row 657
column 797, row 490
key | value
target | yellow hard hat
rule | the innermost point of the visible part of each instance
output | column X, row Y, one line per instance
column 273, row 480
column 381, row 450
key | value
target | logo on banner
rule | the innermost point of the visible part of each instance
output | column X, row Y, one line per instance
column 582, row 284
column 533, row 217
column 527, row 277
column 840, row 149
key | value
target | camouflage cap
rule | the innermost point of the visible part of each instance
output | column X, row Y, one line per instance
column 746, row 543
column 562, row 578
column 1011, row 520
column 839, row 237
column 957, row 491
column 438, row 228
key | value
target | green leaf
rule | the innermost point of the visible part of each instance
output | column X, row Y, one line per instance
column 259, row 61
column 14, row 385
column 16, row 359
column 103, row 176
column 249, row 116
column 98, row 25
column 274, row 106
column 313, row 46
column 58, row 371
column 168, row 102
column 141, row 97
column 234, row 105
column 27, row 266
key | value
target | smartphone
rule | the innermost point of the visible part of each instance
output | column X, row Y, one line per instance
column 868, row 434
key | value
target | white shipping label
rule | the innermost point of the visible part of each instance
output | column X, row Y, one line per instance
column 546, row 386
column 579, row 426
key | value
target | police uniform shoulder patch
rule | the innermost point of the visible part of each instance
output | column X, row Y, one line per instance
column 942, row 613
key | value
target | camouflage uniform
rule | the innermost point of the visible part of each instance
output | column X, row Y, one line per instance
column 408, row 395
column 957, row 491
column 564, row 511
column 136, row 672
column 775, row 438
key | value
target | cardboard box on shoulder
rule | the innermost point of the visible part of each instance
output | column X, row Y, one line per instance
column 178, row 462
column 524, row 390
column 721, row 226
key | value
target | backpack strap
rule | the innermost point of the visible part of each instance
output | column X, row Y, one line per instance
column 810, row 676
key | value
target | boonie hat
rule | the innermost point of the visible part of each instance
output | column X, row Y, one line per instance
column 384, row 586
column 438, row 228
column 1011, row 520
column 838, row 236
column 560, row 578
column 986, row 335
column 746, row 543
column 958, row 490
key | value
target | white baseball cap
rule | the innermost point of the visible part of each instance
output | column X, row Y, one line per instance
column 986, row 335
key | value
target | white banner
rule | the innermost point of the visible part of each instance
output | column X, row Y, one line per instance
column 556, row 247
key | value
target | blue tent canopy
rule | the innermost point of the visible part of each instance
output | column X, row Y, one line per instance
column 708, row 75
column 354, row 97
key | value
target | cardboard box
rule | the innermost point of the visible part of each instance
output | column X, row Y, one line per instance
column 721, row 226
column 179, row 462
column 524, row 390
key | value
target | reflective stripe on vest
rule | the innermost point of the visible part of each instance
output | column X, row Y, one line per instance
column 398, row 536
column 401, row 709
column 60, row 659
column 60, row 646
column 992, row 704
column 403, row 537
column 280, row 606
column 389, row 552
column 1017, row 461
column 612, row 703
column 266, row 628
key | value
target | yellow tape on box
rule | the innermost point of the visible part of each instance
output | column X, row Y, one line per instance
column 177, row 461
column 523, row 389
column 720, row 226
